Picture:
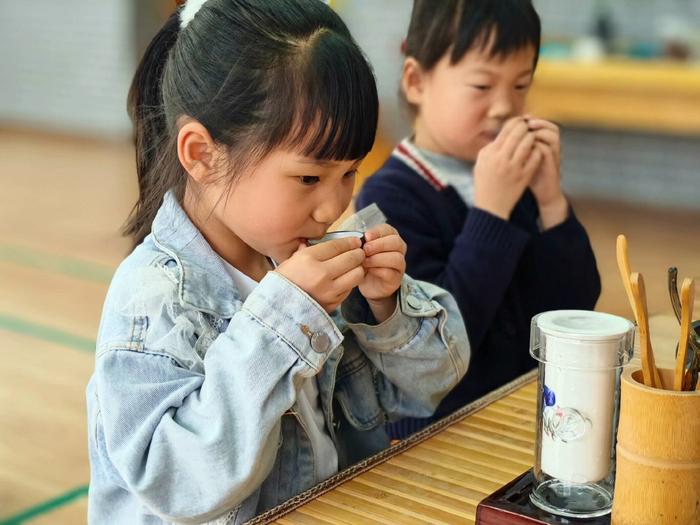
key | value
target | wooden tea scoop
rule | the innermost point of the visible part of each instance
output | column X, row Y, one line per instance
column 623, row 264
column 687, row 298
column 649, row 371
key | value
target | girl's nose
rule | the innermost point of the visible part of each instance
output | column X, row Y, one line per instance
column 328, row 209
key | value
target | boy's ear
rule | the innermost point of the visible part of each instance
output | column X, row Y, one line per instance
column 412, row 81
column 197, row 151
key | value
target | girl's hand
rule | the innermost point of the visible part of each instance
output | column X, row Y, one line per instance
column 328, row 271
column 505, row 167
column 385, row 265
column 546, row 183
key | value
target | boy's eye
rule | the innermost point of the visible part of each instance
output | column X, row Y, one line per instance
column 350, row 174
column 481, row 87
column 522, row 87
column 308, row 180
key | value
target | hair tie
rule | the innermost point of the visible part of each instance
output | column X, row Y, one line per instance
column 188, row 12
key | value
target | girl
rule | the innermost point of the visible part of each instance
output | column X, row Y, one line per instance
column 227, row 379
column 475, row 191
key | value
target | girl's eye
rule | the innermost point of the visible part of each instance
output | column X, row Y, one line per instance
column 522, row 87
column 308, row 180
column 481, row 87
column 350, row 174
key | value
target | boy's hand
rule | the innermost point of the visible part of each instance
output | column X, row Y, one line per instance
column 546, row 183
column 385, row 264
column 328, row 271
column 505, row 167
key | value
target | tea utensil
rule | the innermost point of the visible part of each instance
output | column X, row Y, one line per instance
column 650, row 373
column 687, row 299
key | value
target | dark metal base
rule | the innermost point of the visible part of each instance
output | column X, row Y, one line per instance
column 511, row 505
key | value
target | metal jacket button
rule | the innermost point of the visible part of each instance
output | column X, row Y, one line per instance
column 320, row 342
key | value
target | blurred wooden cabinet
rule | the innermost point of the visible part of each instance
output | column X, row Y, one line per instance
column 658, row 97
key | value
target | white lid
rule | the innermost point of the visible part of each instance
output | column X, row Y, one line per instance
column 583, row 325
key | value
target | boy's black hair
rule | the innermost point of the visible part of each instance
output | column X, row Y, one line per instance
column 258, row 74
column 457, row 26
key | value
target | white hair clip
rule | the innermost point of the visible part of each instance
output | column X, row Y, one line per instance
column 189, row 10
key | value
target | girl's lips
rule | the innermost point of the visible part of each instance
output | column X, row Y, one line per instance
column 308, row 241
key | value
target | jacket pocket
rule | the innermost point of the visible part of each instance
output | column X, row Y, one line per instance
column 356, row 389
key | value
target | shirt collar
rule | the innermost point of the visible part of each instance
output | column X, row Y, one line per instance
column 440, row 171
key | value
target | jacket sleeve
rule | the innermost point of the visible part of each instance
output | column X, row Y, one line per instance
column 191, row 445
column 476, row 269
column 421, row 352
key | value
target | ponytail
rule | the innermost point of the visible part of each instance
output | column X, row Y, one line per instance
column 145, row 108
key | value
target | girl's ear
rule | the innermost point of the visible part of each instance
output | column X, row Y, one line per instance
column 197, row 151
column 413, row 81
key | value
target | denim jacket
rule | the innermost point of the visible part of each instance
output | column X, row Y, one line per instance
column 192, row 405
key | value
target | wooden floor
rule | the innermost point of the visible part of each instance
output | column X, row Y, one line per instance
column 61, row 205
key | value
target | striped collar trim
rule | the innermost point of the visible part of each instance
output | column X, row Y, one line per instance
column 412, row 157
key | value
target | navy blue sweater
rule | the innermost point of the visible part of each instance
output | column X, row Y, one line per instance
column 500, row 272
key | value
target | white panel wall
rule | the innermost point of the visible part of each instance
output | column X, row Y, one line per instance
column 66, row 65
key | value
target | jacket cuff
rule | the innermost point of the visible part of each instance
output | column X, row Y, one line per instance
column 295, row 317
column 412, row 306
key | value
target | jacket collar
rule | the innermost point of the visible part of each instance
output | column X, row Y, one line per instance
column 204, row 282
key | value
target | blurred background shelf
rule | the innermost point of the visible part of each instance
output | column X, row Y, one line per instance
column 619, row 94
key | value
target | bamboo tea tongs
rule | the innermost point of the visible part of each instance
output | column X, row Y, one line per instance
column 693, row 359
column 623, row 264
column 636, row 294
column 681, row 377
column 649, row 370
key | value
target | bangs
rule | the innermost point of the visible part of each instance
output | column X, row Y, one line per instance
column 327, row 107
column 506, row 27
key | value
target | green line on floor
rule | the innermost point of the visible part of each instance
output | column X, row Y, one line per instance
column 48, row 506
column 72, row 267
column 46, row 333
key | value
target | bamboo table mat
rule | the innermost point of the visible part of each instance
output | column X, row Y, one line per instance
column 437, row 476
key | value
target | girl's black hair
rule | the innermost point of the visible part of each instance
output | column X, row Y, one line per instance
column 457, row 26
column 258, row 74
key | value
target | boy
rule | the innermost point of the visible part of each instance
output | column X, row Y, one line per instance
column 475, row 191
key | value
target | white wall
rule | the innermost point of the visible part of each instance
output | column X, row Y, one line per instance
column 379, row 28
column 66, row 65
